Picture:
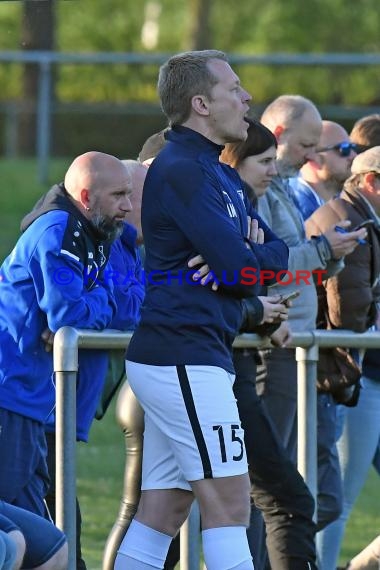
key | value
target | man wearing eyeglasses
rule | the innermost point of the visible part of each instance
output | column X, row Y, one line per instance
column 322, row 177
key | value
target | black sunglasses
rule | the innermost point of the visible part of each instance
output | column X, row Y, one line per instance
column 343, row 148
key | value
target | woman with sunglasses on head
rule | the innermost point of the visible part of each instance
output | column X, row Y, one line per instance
column 278, row 490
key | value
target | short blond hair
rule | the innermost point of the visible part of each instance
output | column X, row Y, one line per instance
column 366, row 131
column 183, row 76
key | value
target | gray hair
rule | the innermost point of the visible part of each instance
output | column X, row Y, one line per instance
column 286, row 110
column 353, row 183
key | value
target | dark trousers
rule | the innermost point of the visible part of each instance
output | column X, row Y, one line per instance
column 276, row 382
column 278, row 490
column 50, row 498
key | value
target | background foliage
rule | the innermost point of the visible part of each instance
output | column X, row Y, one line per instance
column 246, row 27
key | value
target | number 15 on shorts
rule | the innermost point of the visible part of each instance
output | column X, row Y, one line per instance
column 226, row 434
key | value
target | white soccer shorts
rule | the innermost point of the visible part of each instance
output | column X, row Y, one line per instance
column 192, row 425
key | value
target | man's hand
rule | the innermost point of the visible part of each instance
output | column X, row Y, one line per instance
column 282, row 336
column 204, row 273
column 274, row 310
column 255, row 233
column 343, row 243
column 48, row 338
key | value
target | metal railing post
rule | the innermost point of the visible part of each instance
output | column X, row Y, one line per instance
column 66, row 368
column 307, row 359
column 190, row 549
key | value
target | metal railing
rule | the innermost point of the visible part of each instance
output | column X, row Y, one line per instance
column 66, row 344
column 46, row 59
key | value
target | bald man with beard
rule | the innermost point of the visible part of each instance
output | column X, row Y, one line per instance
column 52, row 278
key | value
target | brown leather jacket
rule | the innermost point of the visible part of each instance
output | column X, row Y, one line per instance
column 352, row 294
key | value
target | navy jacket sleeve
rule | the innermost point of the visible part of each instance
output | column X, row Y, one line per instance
column 274, row 256
column 200, row 211
column 60, row 287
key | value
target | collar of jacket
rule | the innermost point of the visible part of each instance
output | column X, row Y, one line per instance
column 185, row 136
column 58, row 199
column 361, row 205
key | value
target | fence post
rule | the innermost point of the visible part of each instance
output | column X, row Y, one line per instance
column 307, row 359
column 43, row 120
column 66, row 368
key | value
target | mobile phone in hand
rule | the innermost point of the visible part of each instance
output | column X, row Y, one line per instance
column 289, row 297
column 341, row 230
column 363, row 224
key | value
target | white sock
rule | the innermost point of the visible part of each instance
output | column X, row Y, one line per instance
column 123, row 562
column 226, row 548
column 143, row 548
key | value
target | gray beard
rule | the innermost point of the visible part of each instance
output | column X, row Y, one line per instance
column 110, row 229
column 285, row 170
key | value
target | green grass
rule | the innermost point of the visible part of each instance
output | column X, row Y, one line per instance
column 20, row 190
column 101, row 462
column 100, row 473
column 100, row 476
column 364, row 523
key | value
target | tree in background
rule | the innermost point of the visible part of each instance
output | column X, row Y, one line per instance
column 295, row 26
column 127, row 92
column 200, row 24
column 246, row 27
column 37, row 33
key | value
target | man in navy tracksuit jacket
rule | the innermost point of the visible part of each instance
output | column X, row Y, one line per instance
column 206, row 199
column 179, row 361
column 52, row 278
